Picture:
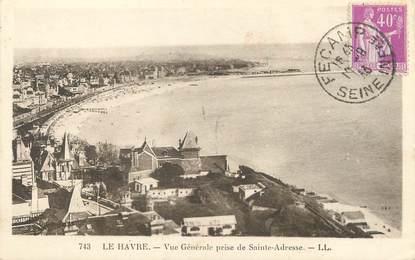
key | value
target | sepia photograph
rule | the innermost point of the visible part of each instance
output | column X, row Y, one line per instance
column 181, row 121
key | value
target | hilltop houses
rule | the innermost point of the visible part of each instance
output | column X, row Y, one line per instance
column 145, row 159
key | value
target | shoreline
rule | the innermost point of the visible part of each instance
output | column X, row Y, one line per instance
column 119, row 96
column 134, row 92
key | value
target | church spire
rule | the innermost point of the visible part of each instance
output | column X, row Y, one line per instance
column 66, row 156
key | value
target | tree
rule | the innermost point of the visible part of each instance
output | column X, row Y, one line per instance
column 91, row 153
column 107, row 153
column 168, row 174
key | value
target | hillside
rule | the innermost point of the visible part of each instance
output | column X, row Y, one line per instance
column 214, row 196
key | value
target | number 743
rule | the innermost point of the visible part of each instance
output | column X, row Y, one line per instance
column 84, row 246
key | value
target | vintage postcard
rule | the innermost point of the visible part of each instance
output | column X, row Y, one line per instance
column 207, row 129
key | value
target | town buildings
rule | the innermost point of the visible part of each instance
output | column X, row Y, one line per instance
column 48, row 175
column 38, row 86
column 39, row 170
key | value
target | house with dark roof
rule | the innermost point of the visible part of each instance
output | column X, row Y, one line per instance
column 262, row 201
column 121, row 224
column 45, row 165
column 144, row 160
column 125, row 222
column 160, row 226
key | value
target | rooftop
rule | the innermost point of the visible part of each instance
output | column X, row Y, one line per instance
column 353, row 215
column 241, row 181
column 246, row 187
column 339, row 207
column 23, row 192
column 17, row 199
column 190, row 141
column 117, row 224
column 147, row 180
column 207, row 221
column 168, row 151
column 170, row 227
column 135, row 171
column 266, row 199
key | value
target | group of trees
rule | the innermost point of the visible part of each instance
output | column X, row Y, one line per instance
column 102, row 153
column 168, row 174
column 107, row 153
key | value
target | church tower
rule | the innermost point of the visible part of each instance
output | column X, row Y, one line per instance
column 63, row 171
column 189, row 147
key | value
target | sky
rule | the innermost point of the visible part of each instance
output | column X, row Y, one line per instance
column 124, row 23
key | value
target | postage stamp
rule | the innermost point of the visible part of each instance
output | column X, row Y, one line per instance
column 348, row 81
column 391, row 21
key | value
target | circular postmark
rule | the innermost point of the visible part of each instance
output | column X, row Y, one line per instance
column 354, row 62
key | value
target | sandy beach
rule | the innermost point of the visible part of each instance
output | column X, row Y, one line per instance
column 57, row 126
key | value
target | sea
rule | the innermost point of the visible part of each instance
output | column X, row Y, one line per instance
column 287, row 127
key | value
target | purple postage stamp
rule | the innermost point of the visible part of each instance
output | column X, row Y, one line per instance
column 386, row 19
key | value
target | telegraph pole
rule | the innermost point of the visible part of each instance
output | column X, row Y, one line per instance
column 99, row 207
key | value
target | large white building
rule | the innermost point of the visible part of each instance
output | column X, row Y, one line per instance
column 143, row 185
column 209, row 226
